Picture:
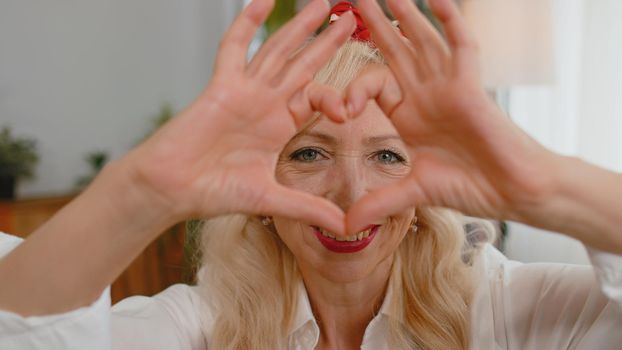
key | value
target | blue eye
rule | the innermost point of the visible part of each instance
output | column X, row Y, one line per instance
column 305, row 155
column 389, row 157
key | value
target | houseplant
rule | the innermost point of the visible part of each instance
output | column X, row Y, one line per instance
column 18, row 158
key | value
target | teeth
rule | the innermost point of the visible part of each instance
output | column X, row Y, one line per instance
column 327, row 234
column 357, row 237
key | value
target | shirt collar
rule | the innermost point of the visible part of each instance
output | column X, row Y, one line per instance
column 385, row 308
column 304, row 315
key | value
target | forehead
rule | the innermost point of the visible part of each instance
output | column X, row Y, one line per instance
column 371, row 123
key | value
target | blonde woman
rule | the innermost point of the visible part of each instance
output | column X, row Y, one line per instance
column 290, row 272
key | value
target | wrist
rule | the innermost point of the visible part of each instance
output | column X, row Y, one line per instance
column 534, row 174
column 128, row 202
column 535, row 208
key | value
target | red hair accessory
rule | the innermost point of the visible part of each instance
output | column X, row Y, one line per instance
column 361, row 33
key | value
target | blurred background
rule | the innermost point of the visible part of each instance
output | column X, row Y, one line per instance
column 82, row 82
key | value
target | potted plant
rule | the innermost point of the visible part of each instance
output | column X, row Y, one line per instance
column 18, row 158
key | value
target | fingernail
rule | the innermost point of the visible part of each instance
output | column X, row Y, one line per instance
column 343, row 113
column 351, row 109
column 354, row 23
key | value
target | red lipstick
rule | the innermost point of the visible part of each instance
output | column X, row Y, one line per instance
column 345, row 246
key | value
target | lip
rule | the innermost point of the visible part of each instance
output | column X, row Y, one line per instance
column 345, row 246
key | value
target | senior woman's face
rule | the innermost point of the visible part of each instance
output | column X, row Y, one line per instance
column 343, row 163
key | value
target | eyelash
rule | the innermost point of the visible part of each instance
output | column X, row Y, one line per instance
column 399, row 158
column 296, row 156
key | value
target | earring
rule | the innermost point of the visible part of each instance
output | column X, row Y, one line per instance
column 266, row 221
column 413, row 226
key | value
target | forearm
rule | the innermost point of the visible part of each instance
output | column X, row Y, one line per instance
column 586, row 204
column 69, row 261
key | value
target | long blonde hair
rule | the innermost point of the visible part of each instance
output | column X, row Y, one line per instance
column 250, row 278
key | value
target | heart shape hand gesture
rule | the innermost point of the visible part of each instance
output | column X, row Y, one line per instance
column 219, row 155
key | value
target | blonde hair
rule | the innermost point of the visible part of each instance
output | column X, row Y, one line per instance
column 250, row 278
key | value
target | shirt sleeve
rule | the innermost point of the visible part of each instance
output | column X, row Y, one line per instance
column 608, row 269
column 558, row 306
column 174, row 319
column 169, row 320
column 84, row 328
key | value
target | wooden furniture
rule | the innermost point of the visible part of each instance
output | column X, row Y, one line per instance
column 22, row 217
column 160, row 265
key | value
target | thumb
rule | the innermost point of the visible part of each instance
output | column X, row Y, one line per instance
column 305, row 207
column 384, row 202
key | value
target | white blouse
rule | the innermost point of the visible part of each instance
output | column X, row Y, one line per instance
column 517, row 306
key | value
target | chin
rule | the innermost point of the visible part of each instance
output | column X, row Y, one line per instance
column 357, row 269
column 345, row 273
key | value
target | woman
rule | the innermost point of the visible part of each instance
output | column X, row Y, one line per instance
column 290, row 273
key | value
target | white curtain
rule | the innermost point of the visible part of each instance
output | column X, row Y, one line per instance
column 579, row 114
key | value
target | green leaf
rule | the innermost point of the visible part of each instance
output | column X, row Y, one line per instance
column 18, row 156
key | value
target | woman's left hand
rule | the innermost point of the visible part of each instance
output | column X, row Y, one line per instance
column 466, row 154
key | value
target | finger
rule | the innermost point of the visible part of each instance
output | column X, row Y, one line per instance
column 303, row 66
column 234, row 45
column 379, row 204
column 395, row 51
column 305, row 207
column 272, row 56
column 314, row 98
column 426, row 39
column 376, row 83
column 461, row 41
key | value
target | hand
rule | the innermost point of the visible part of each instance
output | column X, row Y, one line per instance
column 466, row 154
column 219, row 155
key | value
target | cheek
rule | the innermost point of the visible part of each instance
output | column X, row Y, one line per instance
column 378, row 177
column 286, row 229
column 399, row 227
column 296, row 236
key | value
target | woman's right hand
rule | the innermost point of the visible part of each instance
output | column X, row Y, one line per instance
column 219, row 155
column 216, row 157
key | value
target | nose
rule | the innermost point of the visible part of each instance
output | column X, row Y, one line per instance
column 348, row 182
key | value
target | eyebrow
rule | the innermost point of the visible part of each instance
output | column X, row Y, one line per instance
column 333, row 140
column 317, row 135
column 378, row 139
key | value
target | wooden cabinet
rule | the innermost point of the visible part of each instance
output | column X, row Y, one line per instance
column 22, row 217
column 160, row 265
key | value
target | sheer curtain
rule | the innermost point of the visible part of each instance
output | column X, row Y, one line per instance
column 580, row 114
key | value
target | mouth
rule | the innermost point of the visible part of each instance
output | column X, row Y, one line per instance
column 347, row 244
